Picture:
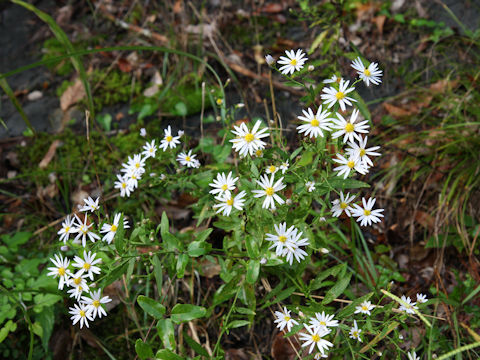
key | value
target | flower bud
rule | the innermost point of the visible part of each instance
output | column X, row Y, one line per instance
column 270, row 60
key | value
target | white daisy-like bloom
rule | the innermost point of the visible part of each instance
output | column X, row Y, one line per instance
column 81, row 313
column 323, row 321
column 292, row 62
column 229, row 201
column 125, row 187
column 310, row 185
column 342, row 204
column 368, row 74
column 143, row 132
column 87, row 264
column 136, row 163
column 168, row 140
column 421, row 298
column 272, row 169
column 90, row 205
column 149, row 149
column 68, row 227
column 223, row 184
column 284, row 319
column 315, row 122
column 365, row 214
column 259, row 153
column 410, row 305
column 60, row 270
column 349, row 129
column 355, row 331
column 132, row 177
column 269, row 191
column 333, row 79
column 180, row 133
column 269, row 60
column 94, row 303
column 188, row 159
column 83, row 231
column 347, row 165
column 111, row 230
column 246, row 141
column 78, row 284
column 332, row 95
column 412, row 355
column 284, row 166
column 314, row 337
column 292, row 247
column 319, row 356
column 280, row 238
column 364, row 308
column 360, row 151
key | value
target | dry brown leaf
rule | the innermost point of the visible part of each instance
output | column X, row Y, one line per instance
column 124, row 65
column 72, row 95
column 424, row 219
column 209, row 269
column 396, row 111
column 380, row 21
column 50, row 154
column 271, row 8
column 443, row 85
column 178, row 7
column 282, row 349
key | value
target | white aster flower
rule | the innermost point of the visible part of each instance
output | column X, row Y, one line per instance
column 332, row 95
column 111, row 230
column 78, row 283
column 81, row 313
column 310, row 185
column 349, row 129
column 269, row 60
column 364, row 308
column 319, row 356
column 279, row 239
column 367, row 74
column 68, row 227
column 188, row 159
column 132, row 177
column 259, row 153
column 94, row 302
column 355, row 331
column 149, row 149
column 360, row 151
column 223, row 184
column 315, row 337
column 90, row 205
column 347, row 165
column 136, row 163
column 323, row 321
column 60, row 270
column 169, row 140
column 333, row 79
column 229, row 201
column 125, row 187
column 246, row 141
column 143, row 132
column 292, row 247
column 412, row 355
column 408, row 308
column 87, row 264
column 83, row 231
column 284, row 319
column 272, row 169
column 421, row 299
column 292, row 62
column 366, row 215
column 180, row 133
column 342, row 204
column 284, row 166
column 315, row 123
column 269, row 191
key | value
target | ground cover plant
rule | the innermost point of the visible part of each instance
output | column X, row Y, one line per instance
column 207, row 229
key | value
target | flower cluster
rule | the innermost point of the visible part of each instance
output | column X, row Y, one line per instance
column 364, row 213
column 223, row 188
column 288, row 242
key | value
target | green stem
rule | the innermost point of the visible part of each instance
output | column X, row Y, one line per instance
column 215, row 349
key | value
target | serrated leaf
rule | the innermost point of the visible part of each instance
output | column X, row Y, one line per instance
column 187, row 312
column 144, row 351
column 151, row 307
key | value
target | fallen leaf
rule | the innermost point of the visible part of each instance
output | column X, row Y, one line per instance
column 396, row 111
column 50, row 154
column 210, row 269
column 271, row 8
column 177, row 7
column 379, row 21
column 443, row 85
column 124, row 65
column 72, row 95
column 424, row 219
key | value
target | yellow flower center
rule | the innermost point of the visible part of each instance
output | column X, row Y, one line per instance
column 224, row 187
column 84, row 230
column 188, row 158
column 282, row 239
column 314, row 122
column 287, row 318
column 364, row 308
column 96, row 303
column 230, row 202
column 137, row 165
column 269, row 191
column 259, row 152
column 134, row 177
column 293, row 62
column 82, row 313
column 315, row 338
column 219, row 101
column 323, row 323
column 124, row 185
column 113, row 228
column 366, row 212
column 67, row 229
column 355, row 334
column 77, row 281
column 367, row 72
column 169, row 138
column 339, row 95
column 61, row 271
column 351, row 164
column 349, row 127
column 151, row 149
column 343, row 205
column 86, row 266
column 249, row 137
column 362, row 152
column 272, row 168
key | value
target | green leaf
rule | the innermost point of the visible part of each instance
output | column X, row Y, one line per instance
column 157, row 272
column 46, row 319
column 253, row 269
column 37, row 329
column 333, row 271
column 144, row 351
column 238, row 323
column 340, row 183
column 203, row 235
column 186, row 312
column 105, row 121
column 18, row 238
column 180, row 109
column 195, row 345
column 182, row 262
column 337, row 289
column 166, row 354
column 244, row 311
column 170, row 242
column 151, row 307
column 10, row 326
column 44, row 300
column 254, row 170
column 116, row 272
column 198, row 248
column 119, row 237
column 296, row 152
column 166, row 333
column 306, row 159
column 252, row 246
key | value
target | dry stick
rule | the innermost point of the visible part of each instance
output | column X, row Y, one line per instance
column 42, row 229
